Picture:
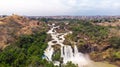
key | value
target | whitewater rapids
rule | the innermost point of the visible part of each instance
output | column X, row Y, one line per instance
column 67, row 52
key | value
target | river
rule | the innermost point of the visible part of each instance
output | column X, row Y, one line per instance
column 67, row 52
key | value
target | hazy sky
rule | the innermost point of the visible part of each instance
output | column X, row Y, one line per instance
column 60, row 7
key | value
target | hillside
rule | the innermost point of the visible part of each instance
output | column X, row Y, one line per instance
column 13, row 26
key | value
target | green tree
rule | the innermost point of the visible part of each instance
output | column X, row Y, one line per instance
column 70, row 64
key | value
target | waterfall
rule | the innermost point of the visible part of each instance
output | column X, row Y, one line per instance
column 75, row 50
column 75, row 57
column 67, row 52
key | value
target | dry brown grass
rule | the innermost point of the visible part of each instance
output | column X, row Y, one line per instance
column 13, row 26
column 109, row 24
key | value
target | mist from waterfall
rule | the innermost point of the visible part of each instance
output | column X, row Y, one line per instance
column 67, row 52
column 75, row 57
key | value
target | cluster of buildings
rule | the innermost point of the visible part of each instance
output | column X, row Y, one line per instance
column 74, row 17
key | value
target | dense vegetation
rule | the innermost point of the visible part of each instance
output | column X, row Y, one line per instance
column 115, row 44
column 70, row 64
column 87, row 35
column 27, row 51
column 90, row 30
column 56, row 56
column 95, row 40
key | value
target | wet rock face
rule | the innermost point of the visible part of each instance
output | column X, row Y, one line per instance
column 54, row 41
column 60, row 38
column 56, row 47
column 87, row 48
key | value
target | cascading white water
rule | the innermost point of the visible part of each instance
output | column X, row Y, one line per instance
column 76, row 57
column 67, row 53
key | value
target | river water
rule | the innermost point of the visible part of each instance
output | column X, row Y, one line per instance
column 67, row 52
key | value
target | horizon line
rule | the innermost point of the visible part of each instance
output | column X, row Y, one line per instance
column 54, row 15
